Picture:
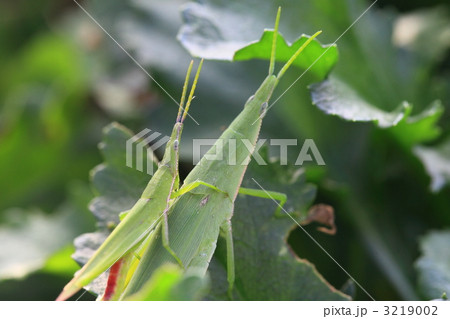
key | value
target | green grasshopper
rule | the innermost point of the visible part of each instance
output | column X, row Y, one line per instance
column 201, row 213
column 146, row 214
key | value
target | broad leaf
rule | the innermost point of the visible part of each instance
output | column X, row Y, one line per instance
column 378, row 81
column 420, row 128
column 213, row 32
column 336, row 98
column 29, row 243
column 434, row 264
column 118, row 187
column 266, row 267
column 436, row 160
column 29, row 236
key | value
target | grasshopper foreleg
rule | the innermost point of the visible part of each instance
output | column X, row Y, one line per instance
column 191, row 186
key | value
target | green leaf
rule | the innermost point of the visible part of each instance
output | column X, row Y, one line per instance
column 61, row 263
column 436, row 160
column 434, row 264
column 261, row 49
column 213, row 32
column 335, row 97
column 30, row 240
column 169, row 282
column 32, row 237
column 420, row 128
column 118, row 187
column 266, row 267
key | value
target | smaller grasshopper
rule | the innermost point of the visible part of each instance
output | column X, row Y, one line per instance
column 146, row 214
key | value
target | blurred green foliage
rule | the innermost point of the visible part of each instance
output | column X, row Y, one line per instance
column 63, row 80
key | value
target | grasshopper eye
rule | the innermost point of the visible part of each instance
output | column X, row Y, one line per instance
column 263, row 108
column 175, row 145
column 251, row 98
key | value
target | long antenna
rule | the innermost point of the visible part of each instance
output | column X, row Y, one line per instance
column 274, row 43
column 299, row 50
column 191, row 94
column 183, row 95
